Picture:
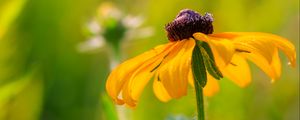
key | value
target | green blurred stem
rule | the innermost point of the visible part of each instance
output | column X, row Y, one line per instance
column 109, row 108
column 116, row 51
column 200, row 102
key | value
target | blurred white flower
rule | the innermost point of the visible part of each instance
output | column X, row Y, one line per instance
column 91, row 44
column 94, row 27
column 139, row 33
column 113, row 27
column 108, row 10
column 132, row 22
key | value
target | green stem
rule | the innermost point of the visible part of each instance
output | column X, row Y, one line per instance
column 200, row 102
column 200, row 78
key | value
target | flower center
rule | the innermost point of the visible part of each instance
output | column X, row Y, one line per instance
column 188, row 22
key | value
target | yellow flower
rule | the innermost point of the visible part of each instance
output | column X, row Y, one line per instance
column 170, row 64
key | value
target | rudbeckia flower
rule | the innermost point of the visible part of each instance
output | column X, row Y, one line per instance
column 171, row 64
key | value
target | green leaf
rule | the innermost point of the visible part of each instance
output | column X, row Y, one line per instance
column 198, row 66
column 208, row 50
column 209, row 60
column 211, row 65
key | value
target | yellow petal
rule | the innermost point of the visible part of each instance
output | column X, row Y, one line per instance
column 119, row 76
column 174, row 69
column 276, row 64
column 201, row 37
column 126, row 97
column 238, row 71
column 221, row 47
column 287, row 47
column 256, row 45
column 211, row 87
column 272, row 69
column 191, row 78
column 160, row 91
column 141, row 76
column 262, row 63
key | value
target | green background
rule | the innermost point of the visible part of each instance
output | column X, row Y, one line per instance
column 43, row 76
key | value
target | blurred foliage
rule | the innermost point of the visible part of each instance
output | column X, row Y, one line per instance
column 44, row 76
column 45, row 34
column 9, row 9
column 22, row 98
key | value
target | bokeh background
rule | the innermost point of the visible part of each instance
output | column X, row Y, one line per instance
column 55, row 56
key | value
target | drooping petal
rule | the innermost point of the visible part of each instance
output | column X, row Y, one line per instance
column 128, row 100
column 191, row 78
column 221, row 47
column 211, row 87
column 175, row 68
column 276, row 63
column 238, row 71
column 119, row 75
column 142, row 75
column 272, row 69
column 256, row 45
column 287, row 47
column 160, row 91
column 201, row 36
